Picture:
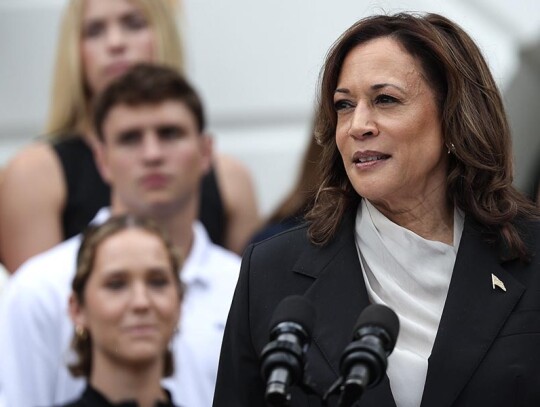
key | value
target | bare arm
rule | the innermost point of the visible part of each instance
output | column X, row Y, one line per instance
column 238, row 191
column 32, row 196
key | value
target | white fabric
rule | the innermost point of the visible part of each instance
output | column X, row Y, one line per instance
column 3, row 278
column 411, row 275
column 35, row 330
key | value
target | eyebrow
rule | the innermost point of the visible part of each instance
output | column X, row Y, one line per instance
column 377, row 86
column 122, row 16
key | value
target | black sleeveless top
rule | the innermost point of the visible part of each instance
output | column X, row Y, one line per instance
column 87, row 192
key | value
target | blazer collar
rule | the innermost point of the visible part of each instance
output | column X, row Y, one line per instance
column 339, row 295
column 473, row 314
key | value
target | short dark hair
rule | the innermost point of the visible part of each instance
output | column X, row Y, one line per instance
column 147, row 84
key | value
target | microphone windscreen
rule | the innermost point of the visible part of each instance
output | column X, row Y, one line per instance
column 380, row 316
column 295, row 308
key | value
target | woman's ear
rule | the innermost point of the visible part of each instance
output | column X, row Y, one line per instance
column 76, row 312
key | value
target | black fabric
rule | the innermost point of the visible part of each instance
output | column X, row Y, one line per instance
column 87, row 193
column 485, row 352
column 93, row 398
column 211, row 209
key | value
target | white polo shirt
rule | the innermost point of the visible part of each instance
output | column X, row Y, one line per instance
column 35, row 329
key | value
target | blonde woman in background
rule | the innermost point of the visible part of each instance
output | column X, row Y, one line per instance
column 125, row 307
column 52, row 189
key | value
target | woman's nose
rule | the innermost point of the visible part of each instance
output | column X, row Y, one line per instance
column 115, row 38
column 140, row 298
column 362, row 122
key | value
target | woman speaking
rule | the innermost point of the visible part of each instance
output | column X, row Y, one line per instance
column 416, row 210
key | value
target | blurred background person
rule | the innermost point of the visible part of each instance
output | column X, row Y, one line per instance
column 416, row 210
column 52, row 189
column 153, row 151
column 125, row 308
column 290, row 212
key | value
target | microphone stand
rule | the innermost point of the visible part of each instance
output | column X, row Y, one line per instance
column 285, row 397
column 349, row 392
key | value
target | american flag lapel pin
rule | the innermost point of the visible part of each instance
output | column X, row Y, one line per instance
column 496, row 282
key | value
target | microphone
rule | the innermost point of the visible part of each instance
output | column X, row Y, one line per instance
column 283, row 358
column 364, row 361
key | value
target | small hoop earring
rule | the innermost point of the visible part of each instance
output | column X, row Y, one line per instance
column 81, row 332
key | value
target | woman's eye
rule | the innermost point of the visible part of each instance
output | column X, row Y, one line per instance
column 385, row 99
column 94, row 29
column 158, row 282
column 135, row 22
column 115, row 284
column 342, row 104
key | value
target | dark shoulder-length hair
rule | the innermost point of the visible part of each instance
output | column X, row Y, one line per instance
column 474, row 124
column 93, row 237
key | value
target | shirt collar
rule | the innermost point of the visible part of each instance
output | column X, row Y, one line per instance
column 102, row 215
column 95, row 398
column 193, row 269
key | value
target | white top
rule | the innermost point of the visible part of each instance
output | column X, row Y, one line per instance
column 411, row 275
column 35, row 329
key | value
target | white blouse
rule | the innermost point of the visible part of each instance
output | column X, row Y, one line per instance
column 411, row 275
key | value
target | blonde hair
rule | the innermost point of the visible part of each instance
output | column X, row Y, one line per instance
column 69, row 103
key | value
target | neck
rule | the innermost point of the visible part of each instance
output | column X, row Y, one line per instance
column 180, row 231
column 176, row 220
column 121, row 383
column 431, row 217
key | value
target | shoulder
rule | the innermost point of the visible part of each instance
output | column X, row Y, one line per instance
column 221, row 266
column 35, row 168
column 33, row 159
column 530, row 231
column 228, row 166
column 47, row 275
column 288, row 242
column 217, row 267
column 209, row 254
column 234, row 178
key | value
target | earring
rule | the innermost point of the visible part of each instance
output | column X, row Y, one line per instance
column 451, row 149
column 80, row 332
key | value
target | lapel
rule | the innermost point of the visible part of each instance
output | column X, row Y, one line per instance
column 473, row 314
column 339, row 295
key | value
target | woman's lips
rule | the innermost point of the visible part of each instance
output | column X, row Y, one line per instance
column 368, row 159
column 141, row 330
column 117, row 68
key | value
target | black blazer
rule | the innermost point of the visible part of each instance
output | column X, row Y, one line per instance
column 487, row 348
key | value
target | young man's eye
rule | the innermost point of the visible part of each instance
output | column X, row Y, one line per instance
column 170, row 132
column 128, row 138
